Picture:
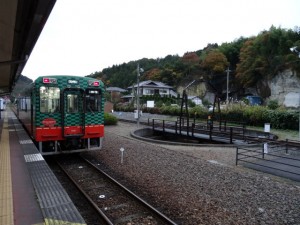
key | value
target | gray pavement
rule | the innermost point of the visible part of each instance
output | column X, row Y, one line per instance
column 282, row 167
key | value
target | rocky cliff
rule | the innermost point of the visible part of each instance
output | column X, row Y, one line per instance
column 285, row 88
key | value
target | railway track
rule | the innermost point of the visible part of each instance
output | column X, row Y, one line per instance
column 114, row 202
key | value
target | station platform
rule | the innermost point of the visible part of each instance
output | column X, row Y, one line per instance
column 30, row 194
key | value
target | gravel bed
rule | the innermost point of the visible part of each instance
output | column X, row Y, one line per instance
column 198, row 185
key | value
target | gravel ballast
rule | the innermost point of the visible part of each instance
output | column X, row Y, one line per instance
column 198, row 185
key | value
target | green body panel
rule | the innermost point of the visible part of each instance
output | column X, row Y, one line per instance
column 73, row 119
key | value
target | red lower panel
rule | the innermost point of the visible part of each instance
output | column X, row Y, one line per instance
column 73, row 130
column 48, row 134
column 55, row 133
column 94, row 131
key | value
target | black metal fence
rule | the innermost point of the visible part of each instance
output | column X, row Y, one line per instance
column 223, row 131
column 280, row 156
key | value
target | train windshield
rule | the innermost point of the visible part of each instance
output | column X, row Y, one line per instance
column 93, row 101
column 49, row 99
column 73, row 103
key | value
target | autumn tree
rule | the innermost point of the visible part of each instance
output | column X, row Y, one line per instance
column 190, row 58
column 215, row 62
column 152, row 74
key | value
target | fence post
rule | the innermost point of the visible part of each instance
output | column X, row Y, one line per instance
column 236, row 156
column 286, row 146
column 193, row 126
column 152, row 125
column 210, row 131
column 176, row 127
column 164, row 126
column 180, row 124
column 187, row 127
column 231, row 133
column 263, row 151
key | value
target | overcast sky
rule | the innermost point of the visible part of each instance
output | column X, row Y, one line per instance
column 85, row 36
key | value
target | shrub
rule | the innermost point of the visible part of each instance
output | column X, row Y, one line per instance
column 199, row 112
column 256, row 115
column 110, row 119
column 273, row 104
column 234, row 112
column 154, row 110
column 282, row 119
column 170, row 110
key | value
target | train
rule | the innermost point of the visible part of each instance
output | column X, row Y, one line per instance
column 63, row 114
column 2, row 104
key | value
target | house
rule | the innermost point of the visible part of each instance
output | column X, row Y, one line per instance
column 115, row 93
column 115, row 89
column 149, row 87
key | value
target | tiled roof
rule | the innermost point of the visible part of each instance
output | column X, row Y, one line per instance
column 117, row 89
column 150, row 83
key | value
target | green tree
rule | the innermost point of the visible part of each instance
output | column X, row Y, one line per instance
column 262, row 57
column 232, row 51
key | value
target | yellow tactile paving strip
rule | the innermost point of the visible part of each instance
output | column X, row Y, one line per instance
column 6, row 198
column 6, row 195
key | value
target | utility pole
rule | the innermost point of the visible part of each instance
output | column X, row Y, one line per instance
column 138, row 95
column 228, row 71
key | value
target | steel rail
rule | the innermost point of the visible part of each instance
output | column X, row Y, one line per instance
column 101, row 213
column 151, row 208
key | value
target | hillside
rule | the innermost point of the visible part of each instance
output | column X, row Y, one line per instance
column 22, row 82
column 252, row 62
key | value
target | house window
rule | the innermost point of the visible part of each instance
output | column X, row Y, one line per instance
column 164, row 91
column 149, row 92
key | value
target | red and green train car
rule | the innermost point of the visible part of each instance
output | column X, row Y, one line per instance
column 63, row 114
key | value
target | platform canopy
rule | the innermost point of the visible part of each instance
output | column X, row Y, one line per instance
column 21, row 23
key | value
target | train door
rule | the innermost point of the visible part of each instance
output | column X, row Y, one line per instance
column 73, row 115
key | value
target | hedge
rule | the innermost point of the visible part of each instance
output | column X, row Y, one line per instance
column 251, row 115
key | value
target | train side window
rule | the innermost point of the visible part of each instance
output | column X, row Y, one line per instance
column 72, row 103
column 93, row 101
column 49, row 99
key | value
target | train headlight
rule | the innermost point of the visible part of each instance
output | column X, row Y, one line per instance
column 49, row 80
column 94, row 83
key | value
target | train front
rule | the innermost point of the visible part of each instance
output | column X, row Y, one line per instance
column 69, row 114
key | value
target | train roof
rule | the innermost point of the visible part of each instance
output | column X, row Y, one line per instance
column 66, row 76
column 65, row 79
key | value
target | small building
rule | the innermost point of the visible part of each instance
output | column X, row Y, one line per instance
column 108, row 107
column 115, row 89
column 127, row 98
column 115, row 93
column 149, row 87
column 195, row 99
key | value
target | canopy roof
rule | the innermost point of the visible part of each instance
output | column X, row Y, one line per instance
column 21, row 23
